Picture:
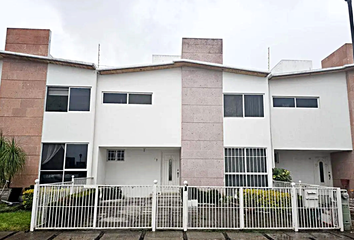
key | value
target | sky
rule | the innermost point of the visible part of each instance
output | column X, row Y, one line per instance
column 130, row 31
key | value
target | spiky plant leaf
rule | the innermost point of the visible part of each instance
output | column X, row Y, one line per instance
column 12, row 159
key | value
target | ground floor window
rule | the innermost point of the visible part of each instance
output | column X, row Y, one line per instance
column 246, row 167
column 60, row 161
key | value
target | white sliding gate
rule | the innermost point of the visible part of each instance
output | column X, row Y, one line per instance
column 79, row 206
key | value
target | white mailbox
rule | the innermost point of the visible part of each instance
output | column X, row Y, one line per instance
column 310, row 198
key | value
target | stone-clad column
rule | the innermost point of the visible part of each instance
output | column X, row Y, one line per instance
column 202, row 157
column 22, row 93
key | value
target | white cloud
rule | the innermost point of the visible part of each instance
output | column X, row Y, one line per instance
column 130, row 31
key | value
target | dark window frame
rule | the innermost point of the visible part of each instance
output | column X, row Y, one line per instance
column 127, row 102
column 296, row 100
column 64, row 169
column 68, row 98
column 244, row 104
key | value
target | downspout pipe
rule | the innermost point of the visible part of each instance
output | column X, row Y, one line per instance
column 350, row 10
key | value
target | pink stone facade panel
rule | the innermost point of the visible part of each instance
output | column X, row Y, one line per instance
column 22, row 94
column 194, row 78
column 340, row 57
column 204, row 114
column 30, row 41
column 202, row 96
column 206, row 50
column 202, row 152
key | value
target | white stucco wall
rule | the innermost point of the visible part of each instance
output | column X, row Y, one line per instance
column 139, row 167
column 292, row 66
column 71, row 127
column 246, row 132
column 326, row 127
column 124, row 125
column 303, row 165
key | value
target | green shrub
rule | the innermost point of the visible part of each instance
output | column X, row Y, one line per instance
column 27, row 197
column 280, row 174
column 266, row 198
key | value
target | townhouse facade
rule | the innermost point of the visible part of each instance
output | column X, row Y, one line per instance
column 188, row 118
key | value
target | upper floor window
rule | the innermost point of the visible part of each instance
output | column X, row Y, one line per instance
column 298, row 102
column 127, row 98
column 243, row 105
column 58, row 99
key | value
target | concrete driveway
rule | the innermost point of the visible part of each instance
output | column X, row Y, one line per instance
column 173, row 235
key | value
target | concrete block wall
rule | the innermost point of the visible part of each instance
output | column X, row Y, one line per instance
column 22, row 94
column 202, row 151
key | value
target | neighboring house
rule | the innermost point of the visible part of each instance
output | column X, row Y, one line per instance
column 191, row 118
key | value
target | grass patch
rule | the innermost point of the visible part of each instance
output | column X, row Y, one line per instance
column 15, row 221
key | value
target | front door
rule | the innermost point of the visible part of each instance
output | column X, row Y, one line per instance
column 170, row 169
column 323, row 175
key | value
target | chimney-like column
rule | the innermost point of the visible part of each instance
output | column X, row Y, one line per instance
column 202, row 152
column 22, row 94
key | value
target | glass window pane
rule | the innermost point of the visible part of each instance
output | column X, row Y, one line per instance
column 235, row 180
column 57, row 99
column 52, row 156
column 254, row 106
column 120, row 155
column 321, row 172
column 51, row 177
column 257, row 180
column 79, row 99
column 233, row 106
column 140, row 98
column 115, row 98
column 307, row 102
column 283, row 102
column 67, row 175
column 76, row 156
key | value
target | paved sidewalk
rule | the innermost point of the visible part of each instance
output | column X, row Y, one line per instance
column 175, row 235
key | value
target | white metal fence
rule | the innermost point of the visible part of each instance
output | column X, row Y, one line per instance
column 83, row 206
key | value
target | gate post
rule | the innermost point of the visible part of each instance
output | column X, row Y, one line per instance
column 95, row 207
column 340, row 210
column 294, row 207
column 242, row 209
column 154, row 206
column 34, row 205
column 185, row 206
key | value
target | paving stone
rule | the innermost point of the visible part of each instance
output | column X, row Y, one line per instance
column 173, row 235
column 78, row 235
column 4, row 234
column 38, row 235
column 349, row 234
column 245, row 236
column 279, row 236
column 299, row 235
column 324, row 235
column 205, row 235
column 122, row 235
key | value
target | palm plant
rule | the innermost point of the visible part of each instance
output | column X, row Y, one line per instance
column 12, row 158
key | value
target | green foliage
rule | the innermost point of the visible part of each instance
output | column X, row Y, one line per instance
column 280, row 174
column 15, row 221
column 27, row 199
column 12, row 158
column 266, row 198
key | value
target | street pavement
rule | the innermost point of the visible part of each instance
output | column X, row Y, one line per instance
column 175, row 235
